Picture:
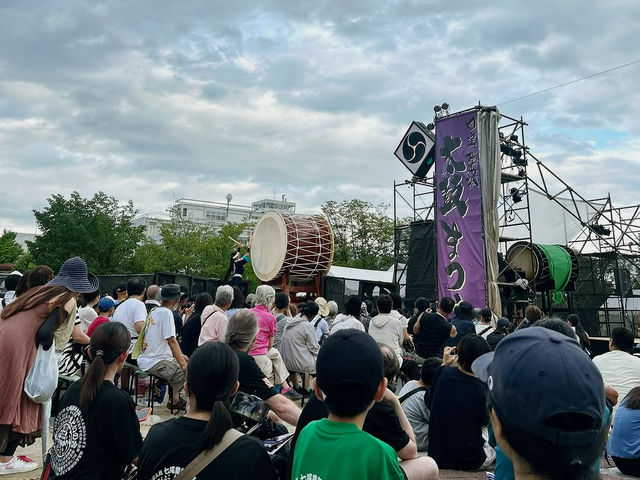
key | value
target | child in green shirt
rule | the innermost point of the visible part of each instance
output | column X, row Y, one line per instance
column 350, row 377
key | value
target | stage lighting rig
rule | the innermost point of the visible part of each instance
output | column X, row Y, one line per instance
column 438, row 111
column 431, row 127
column 600, row 229
column 445, row 108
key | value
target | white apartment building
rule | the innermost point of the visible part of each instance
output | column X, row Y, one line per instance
column 216, row 214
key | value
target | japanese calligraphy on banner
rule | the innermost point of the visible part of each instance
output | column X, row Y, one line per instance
column 461, row 268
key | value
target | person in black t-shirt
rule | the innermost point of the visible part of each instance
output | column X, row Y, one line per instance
column 463, row 322
column 458, row 411
column 191, row 329
column 431, row 330
column 212, row 377
column 96, row 432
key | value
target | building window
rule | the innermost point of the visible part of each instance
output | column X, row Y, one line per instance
column 184, row 212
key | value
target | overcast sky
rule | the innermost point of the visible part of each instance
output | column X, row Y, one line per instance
column 156, row 100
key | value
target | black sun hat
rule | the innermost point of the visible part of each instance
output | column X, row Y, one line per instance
column 75, row 276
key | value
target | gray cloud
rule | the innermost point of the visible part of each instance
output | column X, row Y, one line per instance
column 154, row 100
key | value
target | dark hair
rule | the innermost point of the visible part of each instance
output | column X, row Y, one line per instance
column 282, row 300
column 238, row 298
column 622, row 339
column 552, row 461
column 39, row 275
column 310, row 310
column 350, row 400
column 384, row 304
column 202, row 300
column 397, row 300
column 447, row 304
column 212, row 374
column 486, row 314
column 429, row 369
column 471, row 346
column 532, row 313
column 85, row 298
column 135, row 286
column 108, row 342
column 422, row 304
column 632, row 400
column 12, row 280
column 353, row 306
column 557, row 325
column 122, row 287
column 574, row 320
column 369, row 305
column 390, row 360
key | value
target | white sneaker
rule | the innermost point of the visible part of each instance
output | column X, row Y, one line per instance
column 18, row 464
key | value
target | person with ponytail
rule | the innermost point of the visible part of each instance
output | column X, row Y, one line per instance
column 40, row 316
column 212, row 378
column 96, row 433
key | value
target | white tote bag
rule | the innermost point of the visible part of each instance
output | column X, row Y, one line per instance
column 42, row 379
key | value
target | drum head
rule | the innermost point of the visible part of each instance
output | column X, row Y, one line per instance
column 521, row 257
column 269, row 246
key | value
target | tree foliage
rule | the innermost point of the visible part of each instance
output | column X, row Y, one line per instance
column 363, row 234
column 100, row 230
column 191, row 248
column 10, row 249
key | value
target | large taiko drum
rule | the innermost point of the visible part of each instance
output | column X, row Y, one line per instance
column 299, row 245
column 547, row 266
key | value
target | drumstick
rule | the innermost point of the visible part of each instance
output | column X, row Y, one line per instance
column 234, row 241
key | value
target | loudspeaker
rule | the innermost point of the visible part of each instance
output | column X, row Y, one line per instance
column 421, row 265
column 623, row 282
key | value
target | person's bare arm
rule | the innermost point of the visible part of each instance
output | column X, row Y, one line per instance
column 410, row 450
column 270, row 343
column 416, row 326
column 79, row 336
column 285, row 409
column 453, row 332
column 177, row 353
column 138, row 326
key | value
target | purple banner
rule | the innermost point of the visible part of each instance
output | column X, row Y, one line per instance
column 461, row 270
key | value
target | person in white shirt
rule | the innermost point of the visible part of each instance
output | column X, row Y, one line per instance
column 153, row 291
column 87, row 309
column 395, row 312
column 351, row 317
column 132, row 313
column 484, row 327
column 618, row 367
column 387, row 329
column 161, row 355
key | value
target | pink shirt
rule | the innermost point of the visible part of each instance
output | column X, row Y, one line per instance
column 266, row 330
column 214, row 324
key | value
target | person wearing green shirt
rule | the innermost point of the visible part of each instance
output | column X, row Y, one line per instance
column 349, row 379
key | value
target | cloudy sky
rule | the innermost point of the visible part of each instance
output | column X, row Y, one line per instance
column 152, row 101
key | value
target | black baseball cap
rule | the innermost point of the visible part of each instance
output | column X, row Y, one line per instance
column 349, row 357
column 535, row 374
column 170, row 291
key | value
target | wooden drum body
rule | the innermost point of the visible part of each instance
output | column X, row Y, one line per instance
column 298, row 245
column 532, row 260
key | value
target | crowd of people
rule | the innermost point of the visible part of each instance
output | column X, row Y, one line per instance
column 383, row 393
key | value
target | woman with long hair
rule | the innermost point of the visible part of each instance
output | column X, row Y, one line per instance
column 38, row 275
column 574, row 321
column 41, row 315
column 96, row 433
column 212, row 378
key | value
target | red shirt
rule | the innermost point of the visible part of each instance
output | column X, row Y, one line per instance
column 96, row 323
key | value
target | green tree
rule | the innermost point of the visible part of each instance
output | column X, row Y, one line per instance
column 191, row 248
column 100, row 230
column 10, row 249
column 363, row 234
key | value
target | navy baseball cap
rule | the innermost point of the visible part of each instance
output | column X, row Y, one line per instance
column 349, row 357
column 536, row 374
